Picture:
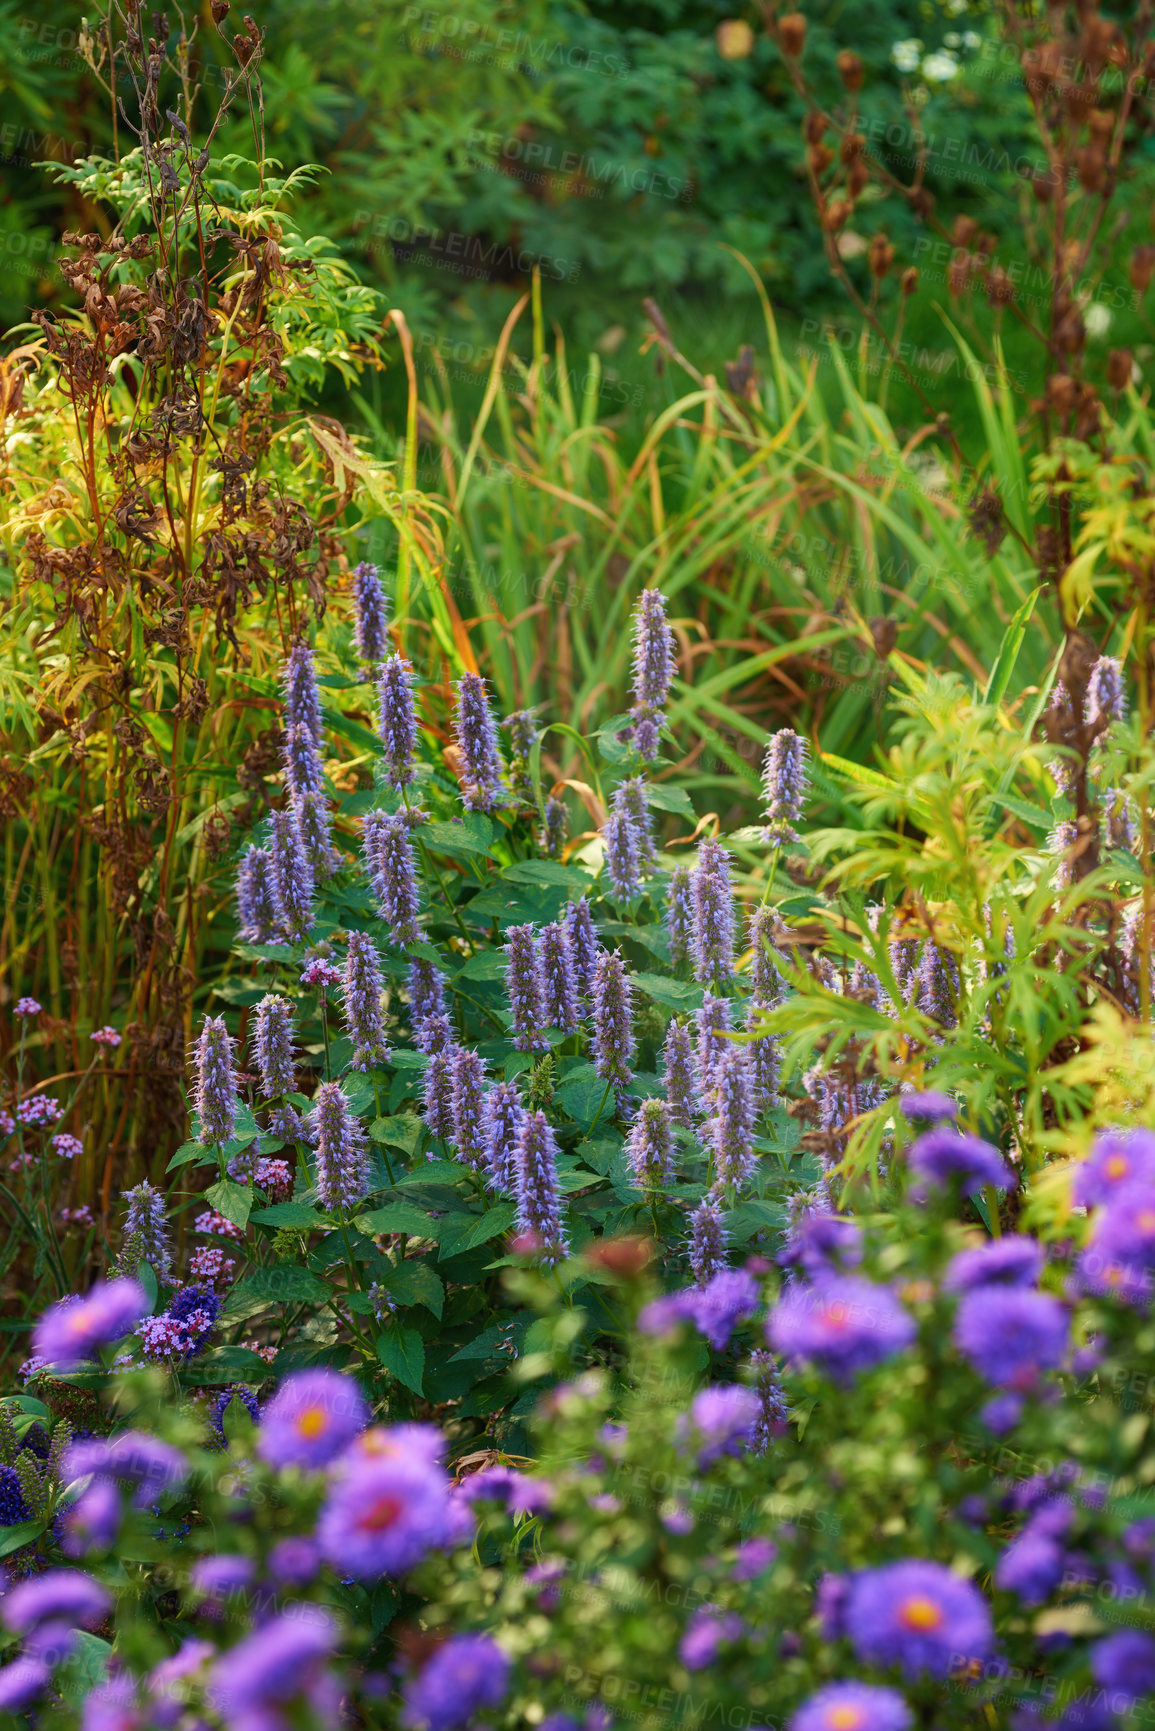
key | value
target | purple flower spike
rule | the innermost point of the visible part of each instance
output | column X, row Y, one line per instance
column 558, row 978
column 1106, row 696
column 843, row 1325
column 613, row 1038
column 680, row 916
column 622, row 864
column 304, row 771
column 312, row 1418
column 467, row 1093
column 523, row 984
column 630, row 801
column 302, row 694
column 467, row 1675
column 712, row 1019
column 938, row 984
column 256, row 904
column 504, row 1116
column 653, row 672
column 215, row 1085
column 784, row 786
column 773, row 1418
column 342, row 1168
column 555, row 828
column 388, row 851
column 371, row 614
column 713, row 906
column 272, row 1046
column 708, row 1239
column 1120, row 820
column 523, row 736
column 679, row 1074
column 764, row 983
column 730, row 1130
column 649, row 1146
column 147, row 1222
column 477, row 743
column 1060, row 843
column 538, row 1199
column 437, row 1103
column 76, row 1328
column 583, row 937
column 363, row 990
column 763, row 1057
column 316, row 834
column 291, row 874
column 426, row 995
column 398, row 720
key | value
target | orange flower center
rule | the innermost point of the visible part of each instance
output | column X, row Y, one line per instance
column 836, row 1315
column 920, row 1614
column 1116, row 1166
column 380, row 1515
column 844, row 1718
column 1147, row 1220
column 313, row 1422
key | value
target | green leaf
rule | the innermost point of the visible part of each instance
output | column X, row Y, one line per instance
column 352, row 730
column 485, row 965
column 1009, row 650
column 456, row 838
column 285, row 1283
column 402, row 1352
column 225, row 1364
column 146, row 1274
column 860, row 774
column 467, row 1232
column 663, row 796
column 11, row 1538
column 398, row 1217
column 231, row 1199
column 675, row 994
column 414, row 1282
column 402, row 1131
column 86, row 1666
column 187, row 1153
column 581, row 1100
column 446, row 1172
column 292, row 1216
column 548, row 871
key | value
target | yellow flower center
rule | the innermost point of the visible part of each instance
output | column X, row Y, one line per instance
column 1116, row 1166
column 313, row 1422
column 920, row 1614
column 844, row 1718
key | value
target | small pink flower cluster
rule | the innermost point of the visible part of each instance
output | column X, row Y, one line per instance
column 318, row 972
column 106, row 1036
column 217, row 1224
column 68, row 1147
column 81, row 1216
column 173, row 1337
column 37, row 1109
column 28, row 1007
column 211, row 1265
column 7, row 1123
column 274, row 1177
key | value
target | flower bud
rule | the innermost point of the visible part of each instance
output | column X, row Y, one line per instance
column 1119, row 364
column 792, row 34
column 880, row 256
column 1142, row 268
column 849, row 70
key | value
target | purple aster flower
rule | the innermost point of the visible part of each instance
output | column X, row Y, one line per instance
column 706, row 1633
column 1106, row 695
column 538, row 1198
column 679, row 1075
column 291, row 875
column 945, row 1156
column 1125, row 1661
column 504, row 1115
column 722, row 1422
column 680, row 916
column 523, row 984
column 1002, row 1413
column 426, row 994
column 215, row 1084
column 830, row 1598
column 630, row 803
column 852, row 1706
column 1032, row 1566
column 216, row 1577
column 649, row 1146
column 370, row 613
column 714, row 1309
column 384, row 1514
column 60, row 1596
column 821, row 1243
column 558, row 979
column 917, row 1615
column 583, row 937
column 1107, row 1276
column 22, row 1683
column 613, row 1040
column 76, row 1328
column 520, row 1495
column 713, row 908
column 555, row 827
column 131, row 1458
column 394, row 874
column 1125, row 1229
column 437, row 1101
column 464, row 1677
column 712, row 1019
column 342, row 1166
column 467, row 1097
column 708, row 1240
column 937, row 984
column 928, row 1107
column 1117, row 1158
column 523, row 736
column 729, row 1130
column 272, row 1046
column 284, row 1659
column 294, row 1562
column 842, row 1325
column 1010, row 1335
column 303, row 694
column 623, row 867
column 477, row 742
column 784, row 785
column 363, row 991
column 752, row 1558
column 312, row 1418
column 398, row 717
column 256, row 902
column 1010, row 1261
column 147, row 1222
column 93, row 1521
column 773, row 1418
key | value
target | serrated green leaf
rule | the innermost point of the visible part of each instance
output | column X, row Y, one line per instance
column 402, row 1352
column 455, row 838
column 548, row 871
column 231, row 1199
column 398, row 1217
column 187, row 1153
column 674, row 994
column 475, row 1229
column 663, row 796
column 292, row 1216
column 414, row 1282
column 284, row 1283
column 486, row 965
column 402, row 1131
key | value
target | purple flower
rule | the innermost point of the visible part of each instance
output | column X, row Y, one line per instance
column 504, row 1114
column 1106, row 1276
column 538, row 1201
column 363, row 989
column 282, row 1660
column 520, row 1495
column 76, row 1328
column 945, row 1156
column 294, row 1562
column 463, row 1677
column 342, row 1167
column 714, row 1309
column 26, row 1007
column 852, row 1706
column 312, row 816
column 437, row 1101
column 630, row 802
column 22, row 1683
column 784, row 785
column 426, row 994
column 1106, row 696
column 713, row 908
column 729, row 1130
column 467, row 1093
column 822, row 1243
column 555, row 827
column 929, row 1107
column 752, row 1558
column 707, row 1631
column 1060, row 842
column 384, row 1514
column 184, row 1328
column 1010, row 1261
column 477, row 742
column 60, row 1596
column 92, row 1522
column 708, row 1240
column 722, row 1421
column 764, row 982
column 1117, row 1158
column 147, row 1222
column 680, row 915
column 272, row 1046
column 68, row 1147
column 1010, row 1335
column 653, row 671
column 304, row 771
column 370, row 613
column 523, row 736
column 918, row 1615
column 132, row 1458
column 558, row 979
column 523, row 984
column 291, row 875
column 763, row 1052
column 613, row 1040
column 623, row 866
column 773, row 1417
column 1120, row 820
column 842, row 1325
column 215, row 1577
column 712, row 1020
column 583, row 937
column 311, row 1419
column 256, row 902
column 302, row 693
column 937, row 985
column 393, row 873
column 1032, row 1567
column 1125, row 1661
column 398, row 718
column 679, row 1075
column 215, row 1082
column 649, row 1150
